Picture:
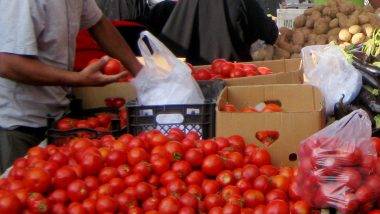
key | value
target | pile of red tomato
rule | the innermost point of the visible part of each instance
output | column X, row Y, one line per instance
column 222, row 69
column 332, row 175
column 150, row 173
column 259, row 108
column 99, row 122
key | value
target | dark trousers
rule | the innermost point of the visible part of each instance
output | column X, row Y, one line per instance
column 15, row 144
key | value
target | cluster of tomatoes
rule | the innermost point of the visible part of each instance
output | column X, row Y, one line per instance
column 99, row 122
column 222, row 69
column 344, row 177
column 261, row 107
column 150, row 173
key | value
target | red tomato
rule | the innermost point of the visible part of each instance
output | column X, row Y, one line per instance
column 209, row 147
column 22, row 195
column 244, row 185
column 136, row 155
column 186, row 210
column 143, row 190
column 188, row 144
column 277, row 207
column 276, row 194
column 250, row 210
column 234, row 160
column 364, row 194
column 160, row 165
column 229, row 191
column 195, row 177
column 216, row 210
column 38, row 152
column 91, row 182
column 77, row 191
column 280, row 182
column 238, row 173
column 261, row 157
column 123, row 170
column 202, row 74
column 59, row 158
column 76, row 208
column 217, row 65
column 211, row 186
column 225, row 178
column 237, row 142
column 125, row 201
column 117, row 185
column 237, row 72
column 168, row 177
column 37, row 180
column 212, row 165
column 36, row 203
column 300, row 207
column 231, row 209
column 106, row 204
column 58, row 196
column 9, row 203
column 193, row 135
column 253, row 198
column 175, row 149
column 222, row 142
column 116, row 158
column 65, row 124
column 226, row 69
column 264, row 70
column 229, row 107
column 151, row 204
column 177, row 187
column 112, row 67
column 58, row 209
column 133, row 179
column 213, row 200
column 89, row 205
column 294, row 191
column 14, row 185
column 106, row 174
column 183, row 168
column 351, row 178
column 194, row 156
column 91, row 163
column 144, row 168
column 262, row 183
column 169, row 205
column 269, row 170
column 250, row 172
column 189, row 200
column 376, row 143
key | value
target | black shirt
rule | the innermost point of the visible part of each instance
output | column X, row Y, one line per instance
column 203, row 30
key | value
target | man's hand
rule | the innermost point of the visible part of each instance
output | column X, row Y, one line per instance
column 92, row 75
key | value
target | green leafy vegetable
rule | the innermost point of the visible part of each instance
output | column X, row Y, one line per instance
column 377, row 121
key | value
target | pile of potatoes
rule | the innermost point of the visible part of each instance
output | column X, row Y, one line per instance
column 338, row 21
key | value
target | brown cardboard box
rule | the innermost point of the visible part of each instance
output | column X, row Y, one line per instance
column 93, row 97
column 284, row 72
column 302, row 116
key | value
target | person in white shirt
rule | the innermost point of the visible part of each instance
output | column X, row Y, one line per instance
column 37, row 50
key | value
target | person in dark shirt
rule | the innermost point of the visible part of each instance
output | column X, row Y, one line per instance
column 203, row 30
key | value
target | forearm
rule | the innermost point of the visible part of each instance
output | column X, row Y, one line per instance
column 109, row 38
column 33, row 72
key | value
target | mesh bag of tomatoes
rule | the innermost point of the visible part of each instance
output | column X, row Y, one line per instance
column 150, row 173
column 90, row 123
column 338, row 166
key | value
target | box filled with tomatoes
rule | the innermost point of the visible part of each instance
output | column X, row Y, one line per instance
column 90, row 123
column 295, row 111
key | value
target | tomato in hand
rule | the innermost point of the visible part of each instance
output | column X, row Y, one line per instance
column 112, row 67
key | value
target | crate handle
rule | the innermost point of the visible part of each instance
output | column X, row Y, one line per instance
column 169, row 119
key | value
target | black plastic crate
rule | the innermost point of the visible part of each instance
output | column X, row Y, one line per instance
column 77, row 112
column 192, row 117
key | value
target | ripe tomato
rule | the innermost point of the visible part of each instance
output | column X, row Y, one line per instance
column 38, row 152
column 77, row 191
column 211, row 186
column 178, row 132
column 22, row 195
column 244, row 185
column 351, row 178
column 177, row 187
column 217, row 65
column 234, row 160
column 112, row 67
column 261, row 157
column 168, row 177
column 175, row 149
column 123, row 170
column 300, row 207
column 124, row 201
column 213, row 200
column 195, row 177
column 117, row 185
column 202, row 74
column 294, row 191
column 196, row 191
column 276, row 194
column 222, row 142
column 151, row 204
column 91, row 182
column 144, row 168
column 186, row 210
column 250, row 172
column 65, row 124
column 264, row 70
column 169, row 205
column 14, row 185
column 280, row 182
column 183, row 168
column 116, row 158
column 376, row 143
column 89, row 205
column 143, row 190
column 277, row 207
column 36, row 203
column 237, row 142
column 229, row 108
column 9, row 203
column 253, row 198
column 193, row 135
column 225, row 178
column 58, row 196
column 37, row 180
column 189, row 200
column 209, row 147
column 287, row 172
column 133, row 179
column 216, row 210
column 136, row 155
column 238, row 173
column 59, row 158
column 91, row 163
column 226, row 69
column 194, row 156
column 58, row 209
column 212, row 165
column 262, row 183
column 106, row 174
column 229, row 191
column 106, row 204
column 188, row 144
column 76, row 208
column 364, row 194
column 269, row 170
column 160, row 165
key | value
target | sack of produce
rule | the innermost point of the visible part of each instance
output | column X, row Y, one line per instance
column 338, row 166
column 164, row 79
column 326, row 68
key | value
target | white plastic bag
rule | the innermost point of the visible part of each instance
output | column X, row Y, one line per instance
column 326, row 68
column 164, row 79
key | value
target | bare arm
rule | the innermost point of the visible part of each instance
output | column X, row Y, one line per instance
column 114, row 44
column 31, row 71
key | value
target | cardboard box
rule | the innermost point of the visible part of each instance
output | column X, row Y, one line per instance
column 287, row 71
column 93, row 97
column 303, row 115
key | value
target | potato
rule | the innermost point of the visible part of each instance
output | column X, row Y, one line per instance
column 300, row 21
column 297, row 48
column 334, row 11
column 284, row 44
column 258, row 55
column 321, row 40
column 315, row 15
column 311, row 37
column 343, row 21
column 368, row 30
column 344, row 45
column 333, row 32
column 286, row 32
column 309, row 23
column 321, row 26
column 363, row 19
column 354, row 29
column 358, row 38
column 305, row 31
column 319, row 8
column 346, row 8
column 334, row 23
column 353, row 20
column 298, row 37
column 332, row 38
column 344, row 35
column 280, row 53
column 326, row 11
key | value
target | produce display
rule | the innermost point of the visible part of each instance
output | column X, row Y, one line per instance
column 151, row 173
column 338, row 21
column 268, row 106
column 222, row 69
